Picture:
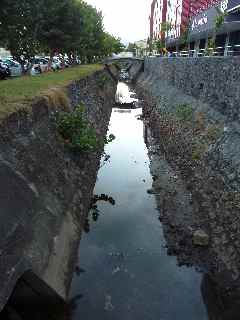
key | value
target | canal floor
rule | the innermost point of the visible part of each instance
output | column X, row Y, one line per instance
column 124, row 272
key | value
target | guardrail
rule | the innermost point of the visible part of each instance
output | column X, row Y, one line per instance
column 233, row 50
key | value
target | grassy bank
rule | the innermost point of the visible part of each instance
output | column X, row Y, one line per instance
column 16, row 93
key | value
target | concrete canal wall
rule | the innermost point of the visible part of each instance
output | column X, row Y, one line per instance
column 45, row 189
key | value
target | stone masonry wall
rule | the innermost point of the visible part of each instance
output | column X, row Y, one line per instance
column 213, row 80
column 46, row 190
column 191, row 106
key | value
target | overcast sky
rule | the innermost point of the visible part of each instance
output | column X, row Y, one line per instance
column 127, row 19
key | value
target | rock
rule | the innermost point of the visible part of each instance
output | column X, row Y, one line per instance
column 151, row 191
column 200, row 238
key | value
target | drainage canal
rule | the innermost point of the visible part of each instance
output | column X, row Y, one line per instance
column 124, row 271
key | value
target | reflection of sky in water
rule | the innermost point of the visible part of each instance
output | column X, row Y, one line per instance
column 123, row 94
column 128, row 273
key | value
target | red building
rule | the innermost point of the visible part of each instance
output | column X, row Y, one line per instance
column 174, row 12
column 177, row 13
column 200, row 16
column 198, row 6
column 157, row 17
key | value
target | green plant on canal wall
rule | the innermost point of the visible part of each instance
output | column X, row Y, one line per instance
column 76, row 132
column 102, row 81
column 184, row 112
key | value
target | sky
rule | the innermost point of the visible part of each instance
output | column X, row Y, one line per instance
column 127, row 19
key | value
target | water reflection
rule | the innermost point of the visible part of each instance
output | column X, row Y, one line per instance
column 124, row 95
column 178, row 219
column 123, row 110
column 125, row 253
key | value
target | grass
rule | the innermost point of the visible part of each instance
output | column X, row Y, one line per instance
column 18, row 93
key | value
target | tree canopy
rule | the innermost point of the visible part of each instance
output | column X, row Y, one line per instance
column 28, row 27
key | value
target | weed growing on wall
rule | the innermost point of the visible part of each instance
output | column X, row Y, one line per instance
column 198, row 150
column 184, row 112
column 77, row 133
column 102, row 81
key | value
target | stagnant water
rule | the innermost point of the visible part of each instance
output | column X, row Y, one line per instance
column 124, row 271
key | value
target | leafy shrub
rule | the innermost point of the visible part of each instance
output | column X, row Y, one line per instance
column 109, row 139
column 184, row 112
column 211, row 46
column 76, row 131
column 219, row 20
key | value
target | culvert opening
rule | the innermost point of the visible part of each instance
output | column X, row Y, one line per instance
column 33, row 299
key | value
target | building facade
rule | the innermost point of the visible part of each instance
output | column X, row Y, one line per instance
column 197, row 6
column 157, row 17
column 196, row 21
column 220, row 23
column 175, row 13
column 178, row 12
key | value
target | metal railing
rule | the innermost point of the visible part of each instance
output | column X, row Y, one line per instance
column 231, row 50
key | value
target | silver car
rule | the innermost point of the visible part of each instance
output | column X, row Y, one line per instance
column 14, row 66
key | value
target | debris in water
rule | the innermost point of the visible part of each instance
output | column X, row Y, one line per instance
column 108, row 303
column 151, row 191
column 139, row 117
column 79, row 270
column 116, row 270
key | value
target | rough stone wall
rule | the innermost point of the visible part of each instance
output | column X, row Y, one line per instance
column 213, row 80
column 204, row 153
column 45, row 190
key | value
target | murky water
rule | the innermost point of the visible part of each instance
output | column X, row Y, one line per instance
column 124, row 270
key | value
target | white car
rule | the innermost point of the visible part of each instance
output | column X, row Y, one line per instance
column 56, row 63
column 41, row 64
column 14, row 66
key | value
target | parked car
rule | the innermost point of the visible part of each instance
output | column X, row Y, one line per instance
column 67, row 62
column 27, row 66
column 40, row 64
column 56, row 64
column 14, row 66
column 35, row 70
column 4, row 71
column 78, row 61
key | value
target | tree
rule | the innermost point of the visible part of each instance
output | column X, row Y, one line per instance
column 132, row 48
column 28, row 27
column 159, row 45
column 17, row 32
column 111, row 45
